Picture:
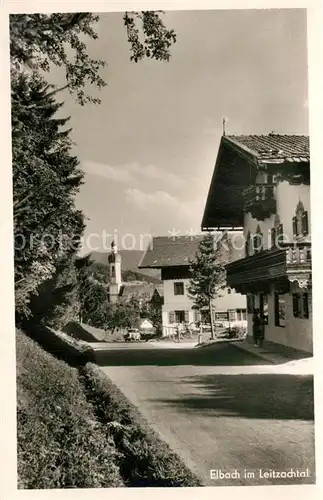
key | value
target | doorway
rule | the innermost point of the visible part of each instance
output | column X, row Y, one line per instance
column 263, row 306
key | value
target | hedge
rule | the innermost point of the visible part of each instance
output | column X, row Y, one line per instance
column 60, row 444
column 60, row 345
column 144, row 459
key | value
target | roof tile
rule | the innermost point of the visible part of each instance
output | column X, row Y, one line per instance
column 271, row 147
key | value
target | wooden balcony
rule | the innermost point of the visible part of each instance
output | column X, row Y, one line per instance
column 284, row 265
column 260, row 200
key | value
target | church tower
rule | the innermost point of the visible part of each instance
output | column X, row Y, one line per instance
column 115, row 273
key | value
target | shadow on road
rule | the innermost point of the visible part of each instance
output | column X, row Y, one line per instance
column 255, row 396
column 219, row 355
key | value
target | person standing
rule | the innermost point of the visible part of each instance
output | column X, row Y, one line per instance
column 256, row 327
column 261, row 330
column 178, row 331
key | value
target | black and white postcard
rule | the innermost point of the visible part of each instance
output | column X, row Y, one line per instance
column 161, row 319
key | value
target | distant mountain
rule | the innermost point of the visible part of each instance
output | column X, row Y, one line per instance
column 130, row 261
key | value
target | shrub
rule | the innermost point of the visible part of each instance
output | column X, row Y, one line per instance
column 60, row 444
column 144, row 459
column 235, row 332
column 60, row 344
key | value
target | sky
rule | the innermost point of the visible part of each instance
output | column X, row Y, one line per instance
column 149, row 149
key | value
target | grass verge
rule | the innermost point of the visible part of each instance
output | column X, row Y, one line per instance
column 143, row 458
column 60, row 444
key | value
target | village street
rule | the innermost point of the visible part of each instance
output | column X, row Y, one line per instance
column 220, row 408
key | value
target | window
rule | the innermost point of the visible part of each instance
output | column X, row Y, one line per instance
column 257, row 240
column 179, row 288
column 296, row 305
column 250, row 303
column 263, row 306
column 305, row 305
column 300, row 305
column 280, row 309
column 277, row 233
column 179, row 316
column 113, row 271
column 231, row 315
column 197, row 316
column 241, row 315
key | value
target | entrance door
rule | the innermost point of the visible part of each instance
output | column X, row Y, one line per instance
column 263, row 306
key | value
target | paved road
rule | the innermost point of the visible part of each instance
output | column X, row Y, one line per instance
column 220, row 409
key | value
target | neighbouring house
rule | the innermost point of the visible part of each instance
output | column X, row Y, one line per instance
column 145, row 326
column 172, row 255
column 262, row 185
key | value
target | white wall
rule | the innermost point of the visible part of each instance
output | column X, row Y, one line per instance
column 296, row 333
column 173, row 302
column 287, row 198
column 231, row 300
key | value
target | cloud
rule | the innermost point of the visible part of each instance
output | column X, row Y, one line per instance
column 131, row 173
column 107, row 171
column 143, row 200
column 186, row 213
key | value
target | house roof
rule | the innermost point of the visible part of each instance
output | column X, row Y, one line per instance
column 170, row 251
column 160, row 290
column 137, row 289
column 180, row 250
column 238, row 159
column 273, row 147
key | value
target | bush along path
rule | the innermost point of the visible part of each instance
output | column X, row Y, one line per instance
column 60, row 443
column 144, row 460
column 75, row 429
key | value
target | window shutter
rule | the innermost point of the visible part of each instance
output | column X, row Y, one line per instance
column 231, row 315
column 276, row 309
column 295, row 226
column 305, row 305
column 305, row 223
column 247, row 245
column 250, row 303
column 295, row 305
column 280, row 232
column 273, row 237
column 171, row 316
column 186, row 316
column 197, row 316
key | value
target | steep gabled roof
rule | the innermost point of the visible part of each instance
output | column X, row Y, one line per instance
column 171, row 251
column 179, row 251
column 136, row 289
column 273, row 148
column 238, row 159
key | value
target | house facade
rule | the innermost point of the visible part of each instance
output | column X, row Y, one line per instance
column 265, row 181
column 173, row 256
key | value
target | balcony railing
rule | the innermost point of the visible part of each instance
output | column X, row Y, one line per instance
column 297, row 256
column 287, row 263
column 260, row 200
